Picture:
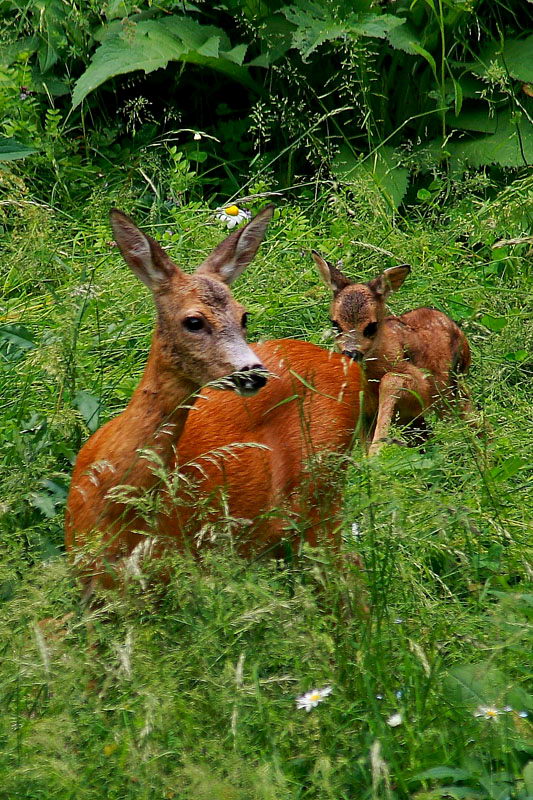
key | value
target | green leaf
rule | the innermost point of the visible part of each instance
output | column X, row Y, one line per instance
column 382, row 166
column 495, row 324
column 11, row 150
column 442, row 773
column 474, row 684
column 511, row 144
column 15, row 340
column 516, row 356
column 528, row 777
column 89, row 407
column 315, row 25
column 150, row 44
column 404, row 37
column 507, row 469
column 516, row 56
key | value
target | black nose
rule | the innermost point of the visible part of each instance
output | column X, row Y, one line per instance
column 355, row 355
column 250, row 379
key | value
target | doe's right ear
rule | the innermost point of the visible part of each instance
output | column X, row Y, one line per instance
column 142, row 254
column 332, row 277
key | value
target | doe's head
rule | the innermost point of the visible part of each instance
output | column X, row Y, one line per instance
column 357, row 309
column 201, row 328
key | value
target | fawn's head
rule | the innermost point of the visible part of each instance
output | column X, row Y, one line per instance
column 201, row 328
column 357, row 309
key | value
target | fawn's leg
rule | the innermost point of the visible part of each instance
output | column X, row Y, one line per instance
column 391, row 386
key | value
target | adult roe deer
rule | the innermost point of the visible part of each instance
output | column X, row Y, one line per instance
column 199, row 337
column 412, row 362
column 250, row 457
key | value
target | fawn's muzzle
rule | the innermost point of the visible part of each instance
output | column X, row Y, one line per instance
column 355, row 355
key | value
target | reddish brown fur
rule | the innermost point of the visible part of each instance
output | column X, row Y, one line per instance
column 412, row 362
column 290, row 422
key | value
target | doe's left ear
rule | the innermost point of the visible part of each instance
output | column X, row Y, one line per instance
column 233, row 255
column 390, row 279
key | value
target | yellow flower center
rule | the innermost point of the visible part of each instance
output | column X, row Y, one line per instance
column 315, row 696
column 491, row 712
column 232, row 211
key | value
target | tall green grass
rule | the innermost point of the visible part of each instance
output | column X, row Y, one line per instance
column 189, row 692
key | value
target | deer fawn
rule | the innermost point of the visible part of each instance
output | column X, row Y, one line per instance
column 199, row 337
column 249, row 456
column 412, row 363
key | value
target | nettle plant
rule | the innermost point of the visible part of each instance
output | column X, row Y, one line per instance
column 378, row 89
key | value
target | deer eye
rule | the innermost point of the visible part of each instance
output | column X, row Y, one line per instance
column 336, row 325
column 370, row 330
column 193, row 323
column 244, row 320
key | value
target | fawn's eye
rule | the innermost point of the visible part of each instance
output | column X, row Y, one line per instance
column 336, row 325
column 193, row 323
column 370, row 330
column 244, row 320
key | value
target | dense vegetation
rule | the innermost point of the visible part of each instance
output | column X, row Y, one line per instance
column 388, row 133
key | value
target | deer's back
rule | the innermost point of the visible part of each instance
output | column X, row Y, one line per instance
column 248, row 455
column 432, row 341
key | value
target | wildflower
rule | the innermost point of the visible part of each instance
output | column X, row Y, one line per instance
column 233, row 215
column 197, row 136
column 86, row 290
column 523, row 714
column 311, row 699
column 356, row 531
column 395, row 719
column 487, row 712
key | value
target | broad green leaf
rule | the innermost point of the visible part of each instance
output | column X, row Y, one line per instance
column 474, row 684
column 528, row 777
column 442, row 773
column 89, row 407
column 15, row 340
column 381, row 166
column 516, row 356
column 495, row 324
column 150, row 44
column 474, row 120
column 511, row 145
column 11, row 150
column 507, row 469
column 516, row 57
column 315, row 25
column 404, row 37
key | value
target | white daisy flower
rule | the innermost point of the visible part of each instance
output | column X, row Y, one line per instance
column 487, row 712
column 311, row 699
column 233, row 215
column 356, row 531
column 394, row 720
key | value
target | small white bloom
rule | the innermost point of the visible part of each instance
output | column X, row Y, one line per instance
column 395, row 719
column 233, row 215
column 356, row 531
column 311, row 699
column 197, row 136
column 507, row 708
column 523, row 714
column 487, row 712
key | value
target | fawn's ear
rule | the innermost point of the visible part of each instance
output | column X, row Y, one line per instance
column 332, row 277
column 141, row 253
column 390, row 280
column 233, row 255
